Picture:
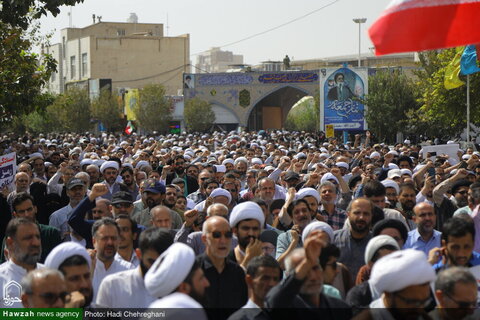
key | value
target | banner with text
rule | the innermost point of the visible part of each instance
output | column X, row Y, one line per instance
column 8, row 168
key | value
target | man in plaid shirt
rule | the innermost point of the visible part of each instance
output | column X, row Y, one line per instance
column 331, row 213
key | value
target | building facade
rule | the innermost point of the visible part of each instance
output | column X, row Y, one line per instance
column 216, row 60
column 132, row 55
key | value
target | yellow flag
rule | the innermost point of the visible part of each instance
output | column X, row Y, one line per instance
column 452, row 71
column 131, row 100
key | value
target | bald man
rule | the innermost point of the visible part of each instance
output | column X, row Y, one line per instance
column 224, row 275
column 424, row 237
column 22, row 184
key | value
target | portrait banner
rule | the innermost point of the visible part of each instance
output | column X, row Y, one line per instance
column 8, row 168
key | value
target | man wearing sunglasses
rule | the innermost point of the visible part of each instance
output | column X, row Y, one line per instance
column 456, row 293
column 227, row 279
column 399, row 292
column 44, row 288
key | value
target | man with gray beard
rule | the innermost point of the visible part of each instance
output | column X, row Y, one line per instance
column 24, row 250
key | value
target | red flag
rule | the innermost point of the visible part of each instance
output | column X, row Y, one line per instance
column 129, row 128
column 418, row 25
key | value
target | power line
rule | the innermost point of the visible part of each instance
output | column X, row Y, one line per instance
column 155, row 75
column 274, row 28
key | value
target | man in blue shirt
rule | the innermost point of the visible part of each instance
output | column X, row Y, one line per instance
column 424, row 237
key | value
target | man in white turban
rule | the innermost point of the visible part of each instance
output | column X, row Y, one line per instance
column 179, row 282
column 109, row 171
column 247, row 220
column 74, row 262
column 401, row 282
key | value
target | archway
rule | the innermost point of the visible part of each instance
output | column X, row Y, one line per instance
column 271, row 111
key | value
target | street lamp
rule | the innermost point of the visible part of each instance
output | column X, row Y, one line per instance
column 359, row 21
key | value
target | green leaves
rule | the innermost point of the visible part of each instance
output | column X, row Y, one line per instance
column 153, row 111
column 198, row 115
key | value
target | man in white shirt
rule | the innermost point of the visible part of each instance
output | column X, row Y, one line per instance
column 24, row 250
column 116, row 289
column 106, row 238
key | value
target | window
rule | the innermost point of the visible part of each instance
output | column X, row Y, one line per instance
column 120, row 32
column 52, row 79
column 63, row 47
column 72, row 67
column 84, row 65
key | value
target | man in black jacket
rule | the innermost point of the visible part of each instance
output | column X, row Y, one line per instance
column 302, row 289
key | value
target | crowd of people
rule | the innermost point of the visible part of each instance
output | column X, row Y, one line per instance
column 241, row 226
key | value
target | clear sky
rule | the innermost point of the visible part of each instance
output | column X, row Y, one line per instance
column 211, row 23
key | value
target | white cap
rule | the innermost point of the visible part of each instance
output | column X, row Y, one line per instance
column 246, row 210
column 317, row 225
column 376, row 243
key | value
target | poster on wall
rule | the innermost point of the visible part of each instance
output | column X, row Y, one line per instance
column 339, row 93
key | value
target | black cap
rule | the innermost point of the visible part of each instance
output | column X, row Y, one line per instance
column 75, row 182
column 290, row 175
column 122, row 197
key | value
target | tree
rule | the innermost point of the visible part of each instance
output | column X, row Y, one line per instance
column 198, row 115
column 22, row 72
column 71, row 111
column 153, row 111
column 21, row 13
column 107, row 109
column 391, row 97
column 442, row 112
column 304, row 116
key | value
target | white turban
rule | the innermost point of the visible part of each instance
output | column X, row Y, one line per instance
column 374, row 154
column 342, row 164
column 127, row 164
column 109, row 164
column 406, row 171
column 169, row 270
column 224, row 162
column 241, row 159
column 86, row 162
column 376, row 243
column 394, row 272
column 220, row 168
column 246, row 210
column 317, row 225
column 141, row 163
column 393, row 166
column 394, row 173
column 328, row 176
column 257, row 161
column 391, row 184
column 64, row 251
column 98, row 162
column 180, row 306
column 300, row 155
column 221, row 192
column 308, row 192
column 268, row 168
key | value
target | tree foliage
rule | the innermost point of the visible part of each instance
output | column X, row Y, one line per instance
column 153, row 111
column 22, row 72
column 198, row 115
column 391, row 97
column 107, row 109
column 20, row 13
column 70, row 112
column 442, row 112
column 304, row 117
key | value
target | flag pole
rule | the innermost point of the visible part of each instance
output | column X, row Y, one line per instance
column 468, row 109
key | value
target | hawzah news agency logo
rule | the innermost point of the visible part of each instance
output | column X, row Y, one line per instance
column 11, row 293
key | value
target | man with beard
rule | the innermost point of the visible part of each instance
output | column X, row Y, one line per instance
column 266, row 190
column 74, row 262
column 24, row 250
column 154, row 195
column 128, row 234
column 331, row 213
column 127, row 289
column 456, row 292
column 458, row 239
column 473, row 200
column 407, row 199
column 227, row 279
column 179, row 282
column 401, row 294
column 353, row 241
column 170, row 196
column 299, row 212
column 191, row 184
column 23, row 207
column 129, row 181
column 263, row 273
column 247, row 220
column 204, row 180
column 109, row 171
column 301, row 291
column 105, row 234
column 76, row 191
column 94, row 173
column 424, row 237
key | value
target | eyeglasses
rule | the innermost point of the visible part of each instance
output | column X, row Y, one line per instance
column 122, row 205
column 414, row 302
column 231, row 190
column 50, row 297
column 463, row 304
column 203, row 179
column 218, row 234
